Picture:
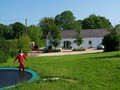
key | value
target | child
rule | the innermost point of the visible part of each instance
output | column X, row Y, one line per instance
column 20, row 57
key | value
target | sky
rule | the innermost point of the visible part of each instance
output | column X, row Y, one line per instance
column 34, row 10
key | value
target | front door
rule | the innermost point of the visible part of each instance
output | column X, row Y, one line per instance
column 67, row 44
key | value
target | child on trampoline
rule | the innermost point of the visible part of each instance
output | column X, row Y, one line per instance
column 20, row 57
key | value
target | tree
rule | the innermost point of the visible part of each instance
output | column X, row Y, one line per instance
column 111, row 42
column 96, row 22
column 65, row 20
column 34, row 33
column 54, row 36
column 79, row 40
column 46, row 24
column 8, row 32
column 78, row 26
column 18, row 29
column 115, row 29
column 5, row 31
column 4, row 50
column 1, row 29
column 24, row 43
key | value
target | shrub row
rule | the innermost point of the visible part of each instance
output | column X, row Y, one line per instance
column 52, row 50
column 79, row 49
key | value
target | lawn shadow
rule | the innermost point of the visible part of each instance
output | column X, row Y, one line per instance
column 117, row 68
column 105, row 57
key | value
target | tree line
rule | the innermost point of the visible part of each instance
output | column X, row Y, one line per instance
column 50, row 27
column 67, row 21
column 64, row 21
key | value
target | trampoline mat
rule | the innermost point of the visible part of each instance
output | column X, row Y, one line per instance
column 10, row 77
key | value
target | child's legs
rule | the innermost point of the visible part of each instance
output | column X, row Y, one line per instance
column 22, row 66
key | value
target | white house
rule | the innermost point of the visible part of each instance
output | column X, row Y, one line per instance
column 91, row 38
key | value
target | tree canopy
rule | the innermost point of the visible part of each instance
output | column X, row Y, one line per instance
column 46, row 25
column 65, row 20
column 1, row 29
column 54, row 36
column 18, row 29
column 34, row 33
column 96, row 22
column 79, row 40
column 50, row 30
column 24, row 43
column 5, row 31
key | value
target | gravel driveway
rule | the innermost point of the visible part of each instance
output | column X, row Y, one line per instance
column 64, row 52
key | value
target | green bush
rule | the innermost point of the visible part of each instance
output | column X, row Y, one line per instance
column 111, row 42
column 24, row 43
column 53, row 50
column 13, row 53
column 4, row 50
column 79, row 49
column 3, row 57
column 13, row 47
column 25, row 51
column 42, row 43
column 12, row 43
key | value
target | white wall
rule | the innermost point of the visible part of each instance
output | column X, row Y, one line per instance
column 95, row 42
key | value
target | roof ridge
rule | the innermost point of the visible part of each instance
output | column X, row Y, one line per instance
column 85, row 33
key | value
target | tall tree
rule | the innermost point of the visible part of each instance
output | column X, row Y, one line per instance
column 115, row 29
column 34, row 33
column 5, row 31
column 18, row 29
column 65, row 20
column 96, row 22
column 54, row 36
column 78, row 26
column 50, row 31
column 79, row 39
column 46, row 25
column 24, row 43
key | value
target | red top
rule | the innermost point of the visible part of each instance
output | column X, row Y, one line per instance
column 20, row 57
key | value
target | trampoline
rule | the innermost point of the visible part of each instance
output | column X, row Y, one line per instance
column 11, row 77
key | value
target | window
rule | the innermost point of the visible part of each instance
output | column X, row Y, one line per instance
column 74, row 41
column 90, row 42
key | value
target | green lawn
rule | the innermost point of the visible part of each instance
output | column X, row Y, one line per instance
column 99, row 71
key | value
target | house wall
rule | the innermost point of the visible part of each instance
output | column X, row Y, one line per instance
column 95, row 42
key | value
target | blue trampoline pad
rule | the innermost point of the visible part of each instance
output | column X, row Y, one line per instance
column 11, row 77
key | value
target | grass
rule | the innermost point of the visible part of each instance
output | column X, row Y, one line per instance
column 99, row 71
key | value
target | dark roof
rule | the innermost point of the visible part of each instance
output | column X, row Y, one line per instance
column 86, row 33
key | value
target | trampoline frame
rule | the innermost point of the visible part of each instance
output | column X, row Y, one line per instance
column 35, row 76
